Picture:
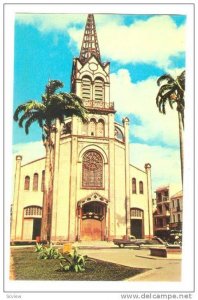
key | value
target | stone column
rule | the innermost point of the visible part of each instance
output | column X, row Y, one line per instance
column 149, row 200
column 16, row 197
column 127, row 175
column 73, row 180
column 55, row 180
column 111, row 178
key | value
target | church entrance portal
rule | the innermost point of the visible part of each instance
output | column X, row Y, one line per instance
column 93, row 221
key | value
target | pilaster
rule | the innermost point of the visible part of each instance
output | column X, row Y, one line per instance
column 149, row 200
column 16, row 197
column 127, row 176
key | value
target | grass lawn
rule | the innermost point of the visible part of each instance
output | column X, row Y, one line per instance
column 28, row 267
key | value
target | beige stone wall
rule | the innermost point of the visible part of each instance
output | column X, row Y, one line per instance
column 141, row 200
column 120, row 213
column 27, row 198
column 61, row 219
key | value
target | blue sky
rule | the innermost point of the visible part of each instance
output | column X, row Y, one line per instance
column 145, row 47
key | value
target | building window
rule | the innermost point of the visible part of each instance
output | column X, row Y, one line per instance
column 100, row 128
column 35, row 182
column 84, row 128
column 92, row 127
column 136, row 213
column 179, row 218
column 43, row 181
column 92, row 170
column 27, row 183
column 141, row 188
column 31, row 211
column 86, row 88
column 118, row 134
column 98, row 89
column 134, row 186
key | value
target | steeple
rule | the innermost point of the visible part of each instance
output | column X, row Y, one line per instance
column 90, row 41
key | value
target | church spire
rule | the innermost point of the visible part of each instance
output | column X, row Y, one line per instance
column 90, row 41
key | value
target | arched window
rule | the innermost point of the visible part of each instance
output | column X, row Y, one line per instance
column 86, row 88
column 118, row 134
column 136, row 213
column 92, row 170
column 100, row 128
column 43, row 181
column 84, row 128
column 35, row 182
column 141, row 187
column 32, row 211
column 27, row 183
column 92, row 127
column 98, row 89
column 134, row 186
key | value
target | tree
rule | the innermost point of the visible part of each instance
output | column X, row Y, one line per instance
column 53, row 108
column 173, row 92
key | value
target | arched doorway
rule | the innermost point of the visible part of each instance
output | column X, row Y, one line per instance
column 92, row 216
column 137, row 225
column 32, row 222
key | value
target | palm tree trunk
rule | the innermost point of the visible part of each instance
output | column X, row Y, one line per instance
column 181, row 144
column 47, row 195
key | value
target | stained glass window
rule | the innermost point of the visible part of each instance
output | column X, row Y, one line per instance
column 92, row 173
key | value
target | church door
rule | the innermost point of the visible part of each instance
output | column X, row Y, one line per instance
column 93, row 221
column 137, row 225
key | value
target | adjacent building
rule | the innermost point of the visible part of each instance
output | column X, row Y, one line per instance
column 165, row 214
column 97, row 193
column 176, row 211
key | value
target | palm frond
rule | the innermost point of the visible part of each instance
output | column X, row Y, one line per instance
column 166, row 77
column 53, row 86
column 34, row 118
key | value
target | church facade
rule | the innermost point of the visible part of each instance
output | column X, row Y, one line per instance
column 97, row 193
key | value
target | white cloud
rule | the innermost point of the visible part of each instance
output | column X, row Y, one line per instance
column 51, row 22
column 139, row 99
column 29, row 151
column 165, row 163
column 150, row 41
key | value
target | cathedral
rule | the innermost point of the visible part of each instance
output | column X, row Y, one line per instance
column 98, row 194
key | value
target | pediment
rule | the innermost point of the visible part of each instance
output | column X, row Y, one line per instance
column 93, row 197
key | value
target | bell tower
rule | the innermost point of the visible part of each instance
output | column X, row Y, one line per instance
column 90, row 76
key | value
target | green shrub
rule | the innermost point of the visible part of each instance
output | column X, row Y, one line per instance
column 49, row 253
column 73, row 261
column 38, row 247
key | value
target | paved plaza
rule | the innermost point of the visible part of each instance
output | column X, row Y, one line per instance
column 160, row 269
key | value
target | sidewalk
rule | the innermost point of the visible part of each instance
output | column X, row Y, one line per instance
column 160, row 269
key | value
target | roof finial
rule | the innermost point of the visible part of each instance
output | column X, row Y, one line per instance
column 90, row 41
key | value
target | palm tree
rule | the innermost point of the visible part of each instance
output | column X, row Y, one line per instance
column 172, row 92
column 54, row 107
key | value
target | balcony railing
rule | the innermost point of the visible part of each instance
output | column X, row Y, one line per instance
column 99, row 104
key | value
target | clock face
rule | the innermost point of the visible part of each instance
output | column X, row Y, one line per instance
column 93, row 67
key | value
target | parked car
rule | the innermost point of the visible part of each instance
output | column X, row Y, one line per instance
column 132, row 241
